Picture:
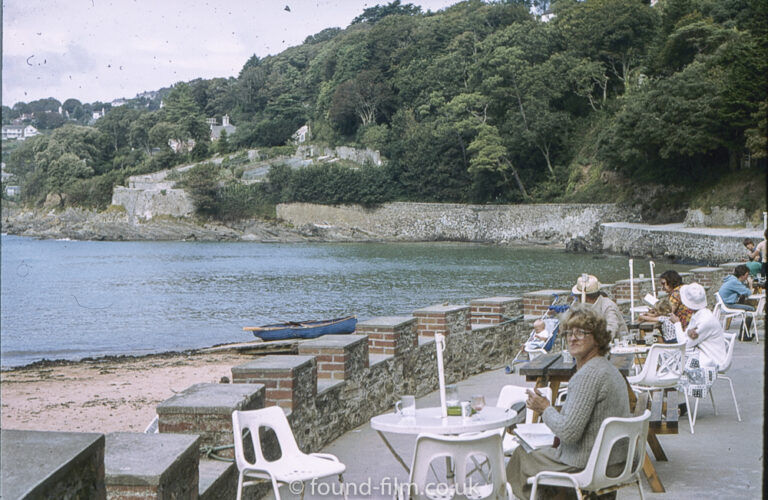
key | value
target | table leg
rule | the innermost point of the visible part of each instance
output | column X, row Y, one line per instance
column 394, row 453
column 658, row 451
column 650, row 473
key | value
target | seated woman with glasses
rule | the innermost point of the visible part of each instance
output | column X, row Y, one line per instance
column 595, row 392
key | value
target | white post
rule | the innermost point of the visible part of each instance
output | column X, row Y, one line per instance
column 765, row 221
column 653, row 280
column 440, row 346
column 631, row 292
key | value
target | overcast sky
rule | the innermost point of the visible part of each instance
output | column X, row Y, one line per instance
column 99, row 50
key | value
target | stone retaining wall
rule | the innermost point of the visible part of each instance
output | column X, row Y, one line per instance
column 673, row 241
column 455, row 222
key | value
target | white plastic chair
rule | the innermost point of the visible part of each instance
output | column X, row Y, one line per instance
column 754, row 314
column 730, row 339
column 460, row 450
column 662, row 369
column 292, row 465
column 725, row 314
column 594, row 477
column 509, row 395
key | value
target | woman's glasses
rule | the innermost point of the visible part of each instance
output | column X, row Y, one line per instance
column 576, row 333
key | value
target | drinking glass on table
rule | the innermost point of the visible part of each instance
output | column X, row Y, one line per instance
column 478, row 402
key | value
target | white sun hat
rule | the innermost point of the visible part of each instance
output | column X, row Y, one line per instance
column 693, row 296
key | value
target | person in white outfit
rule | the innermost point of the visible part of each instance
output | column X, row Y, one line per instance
column 704, row 337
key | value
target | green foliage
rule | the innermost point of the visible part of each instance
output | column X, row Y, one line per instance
column 202, row 184
column 478, row 102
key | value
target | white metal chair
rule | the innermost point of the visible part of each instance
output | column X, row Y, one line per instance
column 595, row 476
column 291, row 466
column 459, row 450
column 725, row 314
column 730, row 339
column 662, row 369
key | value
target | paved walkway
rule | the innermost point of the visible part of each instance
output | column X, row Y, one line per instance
column 723, row 460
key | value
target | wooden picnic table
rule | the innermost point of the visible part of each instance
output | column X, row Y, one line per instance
column 551, row 369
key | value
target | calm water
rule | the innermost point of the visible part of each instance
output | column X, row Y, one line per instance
column 74, row 299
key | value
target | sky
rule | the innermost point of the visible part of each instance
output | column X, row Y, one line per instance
column 100, row 50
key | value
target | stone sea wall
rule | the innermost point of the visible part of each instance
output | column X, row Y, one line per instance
column 703, row 245
column 456, row 222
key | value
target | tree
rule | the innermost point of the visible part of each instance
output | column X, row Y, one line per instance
column 64, row 170
column 489, row 159
column 615, row 32
column 373, row 15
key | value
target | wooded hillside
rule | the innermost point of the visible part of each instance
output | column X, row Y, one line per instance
column 481, row 102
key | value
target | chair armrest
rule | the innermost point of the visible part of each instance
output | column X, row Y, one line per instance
column 326, row 456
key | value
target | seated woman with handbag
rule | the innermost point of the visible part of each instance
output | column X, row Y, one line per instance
column 595, row 392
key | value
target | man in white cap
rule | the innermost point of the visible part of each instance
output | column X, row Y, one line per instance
column 704, row 336
column 590, row 291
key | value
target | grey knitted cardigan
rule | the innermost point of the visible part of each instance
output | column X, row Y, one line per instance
column 595, row 392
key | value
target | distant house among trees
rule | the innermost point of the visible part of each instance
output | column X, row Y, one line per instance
column 217, row 129
column 19, row 132
column 302, row 135
column 181, row 146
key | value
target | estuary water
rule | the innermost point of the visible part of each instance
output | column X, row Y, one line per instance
column 77, row 299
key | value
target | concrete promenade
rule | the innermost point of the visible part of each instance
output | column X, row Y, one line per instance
column 723, row 459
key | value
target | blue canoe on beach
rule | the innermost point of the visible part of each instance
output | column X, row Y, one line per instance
column 304, row 329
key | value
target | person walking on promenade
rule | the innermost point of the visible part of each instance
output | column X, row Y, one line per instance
column 590, row 290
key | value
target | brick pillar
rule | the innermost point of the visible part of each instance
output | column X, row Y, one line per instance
column 642, row 286
column 710, row 278
column 444, row 319
column 389, row 335
column 290, row 381
column 206, row 409
column 338, row 356
column 686, row 277
column 494, row 310
column 537, row 303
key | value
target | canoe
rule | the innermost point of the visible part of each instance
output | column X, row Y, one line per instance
column 304, row 329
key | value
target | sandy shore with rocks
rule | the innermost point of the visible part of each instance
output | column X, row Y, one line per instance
column 105, row 395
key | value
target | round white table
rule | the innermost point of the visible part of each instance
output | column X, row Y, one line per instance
column 430, row 420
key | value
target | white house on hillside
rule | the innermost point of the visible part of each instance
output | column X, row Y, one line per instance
column 19, row 132
column 216, row 129
column 302, row 135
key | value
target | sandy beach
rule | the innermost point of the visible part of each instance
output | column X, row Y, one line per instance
column 104, row 395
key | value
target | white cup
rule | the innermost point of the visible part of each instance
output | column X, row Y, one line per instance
column 406, row 406
column 567, row 358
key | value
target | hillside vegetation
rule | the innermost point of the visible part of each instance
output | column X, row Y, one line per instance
column 611, row 100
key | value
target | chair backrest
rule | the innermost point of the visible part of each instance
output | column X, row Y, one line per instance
column 273, row 418
column 614, row 429
column 663, row 366
column 730, row 343
column 724, row 308
column 553, row 326
column 434, row 448
column 511, row 394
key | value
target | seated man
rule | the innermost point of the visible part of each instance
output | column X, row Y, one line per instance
column 734, row 290
column 604, row 306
